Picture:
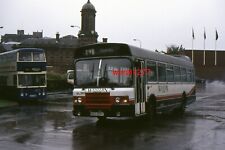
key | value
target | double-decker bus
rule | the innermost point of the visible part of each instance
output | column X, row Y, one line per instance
column 116, row 79
column 23, row 74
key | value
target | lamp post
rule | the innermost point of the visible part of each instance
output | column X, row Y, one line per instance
column 138, row 41
column 73, row 26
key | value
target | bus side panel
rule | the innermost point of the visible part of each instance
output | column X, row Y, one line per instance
column 169, row 95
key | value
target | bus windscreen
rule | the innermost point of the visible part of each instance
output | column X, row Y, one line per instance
column 103, row 73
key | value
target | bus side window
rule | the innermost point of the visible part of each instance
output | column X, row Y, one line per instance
column 183, row 75
column 193, row 75
column 151, row 71
column 169, row 73
column 161, row 72
column 177, row 74
column 189, row 75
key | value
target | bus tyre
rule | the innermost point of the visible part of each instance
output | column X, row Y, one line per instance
column 151, row 107
column 101, row 119
column 182, row 108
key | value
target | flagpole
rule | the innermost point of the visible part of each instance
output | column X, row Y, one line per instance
column 216, row 47
column 204, row 39
column 216, row 39
column 215, row 54
column 192, row 52
column 204, row 48
column 192, row 45
column 215, row 44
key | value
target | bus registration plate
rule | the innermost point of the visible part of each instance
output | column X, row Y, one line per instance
column 99, row 113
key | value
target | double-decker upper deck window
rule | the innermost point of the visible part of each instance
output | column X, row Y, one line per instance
column 25, row 56
column 38, row 56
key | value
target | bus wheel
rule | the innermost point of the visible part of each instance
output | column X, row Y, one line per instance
column 182, row 107
column 151, row 111
column 101, row 119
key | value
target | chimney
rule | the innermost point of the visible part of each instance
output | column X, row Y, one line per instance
column 20, row 32
column 104, row 40
column 57, row 37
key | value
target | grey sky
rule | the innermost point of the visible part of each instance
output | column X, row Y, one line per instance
column 157, row 23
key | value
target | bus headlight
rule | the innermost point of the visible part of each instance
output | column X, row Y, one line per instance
column 79, row 100
column 21, row 94
column 125, row 100
column 117, row 99
column 122, row 100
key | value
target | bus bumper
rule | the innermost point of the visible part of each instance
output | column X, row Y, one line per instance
column 114, row 111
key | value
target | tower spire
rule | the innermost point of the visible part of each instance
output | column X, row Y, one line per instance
column 87, row 34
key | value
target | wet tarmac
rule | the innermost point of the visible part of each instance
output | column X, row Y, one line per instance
column 51, row 126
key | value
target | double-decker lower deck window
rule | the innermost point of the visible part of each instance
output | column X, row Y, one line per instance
column 31, row 79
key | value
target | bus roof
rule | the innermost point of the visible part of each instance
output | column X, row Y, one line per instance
column 121, row 49
column 23, row 49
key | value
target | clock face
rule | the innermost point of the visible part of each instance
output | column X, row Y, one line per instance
column 92, row 32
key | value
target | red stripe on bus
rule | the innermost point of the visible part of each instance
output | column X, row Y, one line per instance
column 175, row 96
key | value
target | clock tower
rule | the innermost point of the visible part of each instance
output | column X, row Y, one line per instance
column 87, row 34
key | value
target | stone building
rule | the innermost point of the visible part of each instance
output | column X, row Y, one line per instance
column 60, row 51
column 20, row 36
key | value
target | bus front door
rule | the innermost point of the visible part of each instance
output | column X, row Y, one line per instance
column 139, row 81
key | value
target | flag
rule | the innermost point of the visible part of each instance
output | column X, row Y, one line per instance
column 204, row 35
column 216, row 35
column 193, row 34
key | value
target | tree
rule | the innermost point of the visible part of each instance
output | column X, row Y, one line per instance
column 175, row 50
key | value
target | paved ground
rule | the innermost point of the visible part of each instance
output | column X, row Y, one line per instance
column 52, row 127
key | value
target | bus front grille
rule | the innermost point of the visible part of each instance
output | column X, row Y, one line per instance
column 98, row 98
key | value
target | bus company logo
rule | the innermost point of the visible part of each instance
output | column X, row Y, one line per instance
column 97, row 90
column 128, row 72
